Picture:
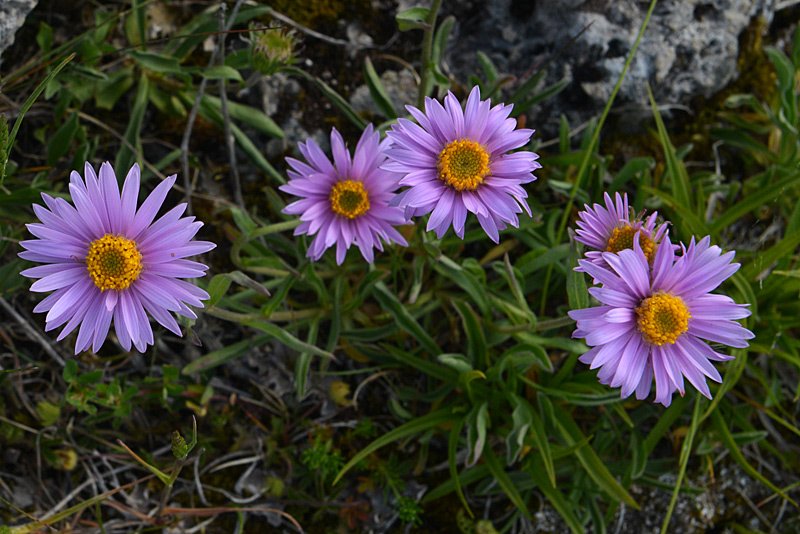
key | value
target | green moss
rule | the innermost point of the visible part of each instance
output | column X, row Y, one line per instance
column 313, row 13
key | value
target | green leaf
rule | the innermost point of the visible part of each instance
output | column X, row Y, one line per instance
column 44, row 38
column 90, row 378
column 741, row 139
column 288, row 339
column 548, row 92
column 736, row 454
column 523, row 355
column 564, row 508
column 109, row 91
column 302, row 367
column 27, row 105
column 577, row 292
column 127, row 155
column 216, row 72
column 70, row 370
column 782, row 249
column 763, row 195
column 526, row 420
column 452, row 450
column 217, row 288
column 686, row 452
column 413, row 19
column 476, row 341
column 465, row 280
column 404, row 319
column 376, row 90
column 675, row 168
column 415, row 426
column 208, row 111
column 476, row 423
column 593, row 465
column 459, row 362
column 218, row 357
column 501, row 476
column 61, row 141
column 489, row 70
column 439, row 45
column 156, row 62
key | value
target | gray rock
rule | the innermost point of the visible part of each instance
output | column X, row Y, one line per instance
column 690, row 48
column 12, row 16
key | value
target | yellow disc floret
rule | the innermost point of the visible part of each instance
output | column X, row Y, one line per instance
column 349, row 199
column 463, row 164
column 622, row 238
column 113, row 262
column 661, row 318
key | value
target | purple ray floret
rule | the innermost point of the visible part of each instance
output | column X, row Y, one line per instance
column 345, row 202
column 458, row 161
column 105, row 260
column 651, row 322
column 611, row 229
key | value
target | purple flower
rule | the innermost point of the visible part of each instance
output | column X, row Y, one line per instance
column 650, row 324
column 611, row 229
column 457, row 161
column 105, row 260
column 345, row 202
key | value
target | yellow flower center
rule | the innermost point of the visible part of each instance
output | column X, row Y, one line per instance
column 463, row 164
column 349, row 199
column 661, row 318
column 113, row 262
column 622, row 238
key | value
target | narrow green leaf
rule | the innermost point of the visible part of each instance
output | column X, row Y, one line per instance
column 476, row 341
column 497, row 470
column 763, row 195
column 526, row 421
column 216, row 72
column 248, row 115
column 466, row 477
column 554, row 497
column 439, row 43
column 303, row 366
column 736, row 454
column 217, row 288
column 244, row 142
column 741, row 139
column 27, row 105
column 465, row 280
column 377, row 91
column 784, row 248
column 218, row 357
column 288, row 339
column 476, row 422
column 155, row 62
column 675, row 168
column 686, row 451
column 694, row 225
column 61, row 141
column 126, row 156
column 577, row 292
column 593, row 465
column 412, row 19
column 404, row 319
column 415, row 426
column 452, row 450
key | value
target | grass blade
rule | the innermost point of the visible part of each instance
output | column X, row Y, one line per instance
column 415, row 426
